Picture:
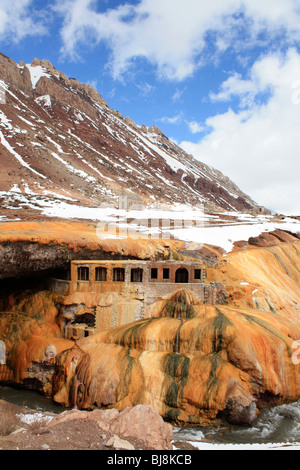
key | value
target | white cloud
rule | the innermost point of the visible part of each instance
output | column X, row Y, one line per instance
column 234, row 85
column 178, row 95
column 18, row 20
column 258, row 146
column 145, row 89
column 171, row 34
column 195, row 127
column 171, row 120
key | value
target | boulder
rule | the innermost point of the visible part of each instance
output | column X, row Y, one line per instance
column 143, row 423
column 241, row 406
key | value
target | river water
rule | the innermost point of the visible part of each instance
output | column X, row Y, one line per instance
column 277, row 427
column 32, row 400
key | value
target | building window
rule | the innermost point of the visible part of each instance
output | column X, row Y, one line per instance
column 166, row 273
column 137, row 275
column 119, row 274
column 154, row 273
column 101, row 274
column 198, row 274
column 83, row 274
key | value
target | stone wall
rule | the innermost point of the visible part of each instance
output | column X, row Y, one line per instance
column 59, row 286
column 116, row 303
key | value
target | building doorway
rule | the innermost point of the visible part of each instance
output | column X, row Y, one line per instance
column 182, row 276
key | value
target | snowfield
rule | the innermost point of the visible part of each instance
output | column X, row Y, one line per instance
column 185, row 223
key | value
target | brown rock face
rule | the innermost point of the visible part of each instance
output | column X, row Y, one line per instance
column 27, row 249
column 142, row 422
column 18, row 77
column 140, row 426
column 61, row 143
column 273, row 238
column 213, row 361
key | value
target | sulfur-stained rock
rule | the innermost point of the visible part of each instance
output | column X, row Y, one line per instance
column 192, row 363
column 32, row 339
column 55, row 244
column 265, row 278
column 191, row 370
column 264, row 240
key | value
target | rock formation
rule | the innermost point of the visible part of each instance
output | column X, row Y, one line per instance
column 62, row 145
column 193, row 363
column 33, row 248
column 137, row 428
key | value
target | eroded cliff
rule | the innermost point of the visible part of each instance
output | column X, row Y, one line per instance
column 192, row 362
column 28, row 248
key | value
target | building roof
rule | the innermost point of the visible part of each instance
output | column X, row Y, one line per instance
column 133, row 196
column 131, row 261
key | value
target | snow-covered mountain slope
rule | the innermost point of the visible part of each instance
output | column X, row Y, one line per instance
column 60, row 140
column 65, row 154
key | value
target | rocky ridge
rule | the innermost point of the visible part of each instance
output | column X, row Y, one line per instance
column 61, row 144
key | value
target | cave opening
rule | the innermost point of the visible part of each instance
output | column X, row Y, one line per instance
column 87, row 318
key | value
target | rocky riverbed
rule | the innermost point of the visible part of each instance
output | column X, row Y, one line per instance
column 138, row 428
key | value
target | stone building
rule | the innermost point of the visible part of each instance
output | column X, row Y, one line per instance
column 128, row 201
column 107, row 293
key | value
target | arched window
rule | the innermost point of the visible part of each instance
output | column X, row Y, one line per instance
column 182, row 276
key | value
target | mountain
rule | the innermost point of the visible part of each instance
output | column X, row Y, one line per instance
column 62, row 144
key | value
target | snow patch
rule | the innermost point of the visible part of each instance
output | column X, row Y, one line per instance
column 271, row 446
column 4, row 121
column 17, row 156
column 44, row 101
column 26, row 121
column 58, row 147
column 36, row 73
column 15, row 189
column 75, row 171
column 32, row 418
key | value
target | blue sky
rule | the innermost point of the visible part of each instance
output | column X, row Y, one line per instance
column 221, row 78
